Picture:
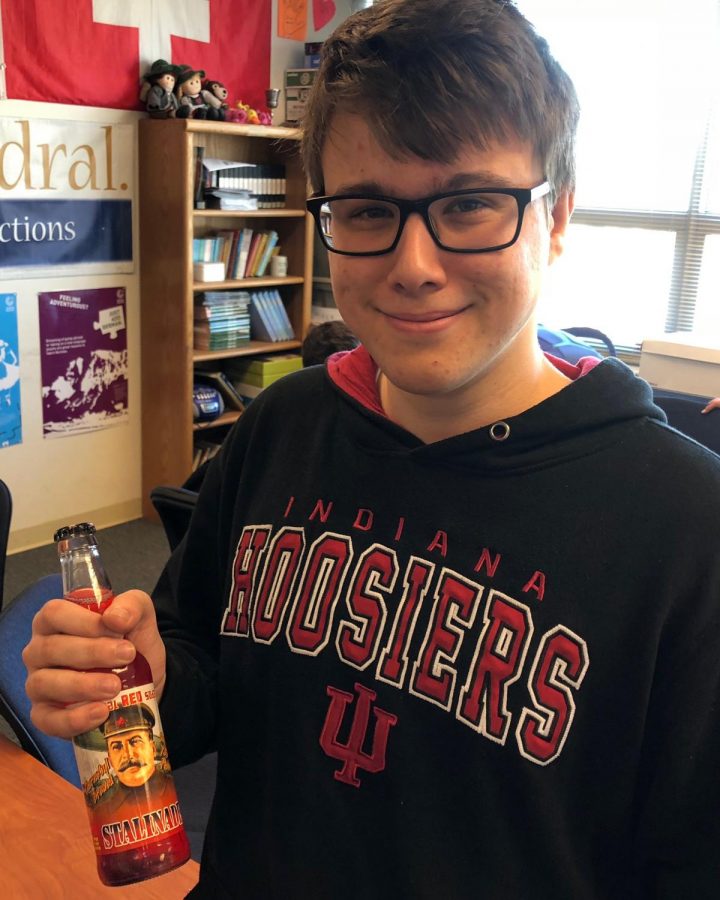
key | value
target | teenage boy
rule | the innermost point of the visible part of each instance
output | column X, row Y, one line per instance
column 449, row 610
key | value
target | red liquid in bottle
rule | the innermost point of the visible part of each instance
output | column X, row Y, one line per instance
column 129, row 792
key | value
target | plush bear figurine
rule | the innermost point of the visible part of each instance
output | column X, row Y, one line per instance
column 216, row 94
column 157, row 91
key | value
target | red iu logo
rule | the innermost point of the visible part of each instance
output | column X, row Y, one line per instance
column 351, row 753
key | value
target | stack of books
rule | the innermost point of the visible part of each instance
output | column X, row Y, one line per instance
column 244, row 252
column 221, row 320
column 210, row 248
column 262, row 183
column 250, row 252
column 268, row 317
column 251, row 375
column 219, row 198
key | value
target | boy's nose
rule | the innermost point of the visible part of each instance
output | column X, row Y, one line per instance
column 417, row 260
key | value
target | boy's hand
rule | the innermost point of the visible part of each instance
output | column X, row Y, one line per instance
column 68, row 641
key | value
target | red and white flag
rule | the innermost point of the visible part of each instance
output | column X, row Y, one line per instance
column 93, row 52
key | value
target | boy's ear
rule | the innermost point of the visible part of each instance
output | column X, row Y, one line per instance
column 559, row 221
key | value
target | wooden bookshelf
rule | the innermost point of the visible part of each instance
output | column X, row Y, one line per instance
column 168, row 224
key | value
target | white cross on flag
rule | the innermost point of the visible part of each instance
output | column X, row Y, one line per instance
column 93, row 52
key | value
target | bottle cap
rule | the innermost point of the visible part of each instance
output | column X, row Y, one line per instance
column 83, row 528
column 62, row 534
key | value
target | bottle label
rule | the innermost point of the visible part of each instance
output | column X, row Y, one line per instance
column 125, row 774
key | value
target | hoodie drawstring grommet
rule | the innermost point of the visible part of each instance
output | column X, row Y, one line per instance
column 500, row 431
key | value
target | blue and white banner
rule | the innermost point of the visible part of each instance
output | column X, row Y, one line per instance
column 10, row 418
column 65, row 197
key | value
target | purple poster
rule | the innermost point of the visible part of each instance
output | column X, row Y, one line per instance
column 83, row 348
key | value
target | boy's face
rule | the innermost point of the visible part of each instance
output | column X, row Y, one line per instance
column 440, row 323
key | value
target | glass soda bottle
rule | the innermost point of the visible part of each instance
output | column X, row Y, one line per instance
column 135, row 819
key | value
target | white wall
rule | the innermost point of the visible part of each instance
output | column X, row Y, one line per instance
column 94, row 476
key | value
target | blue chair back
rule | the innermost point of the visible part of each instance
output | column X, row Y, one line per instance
column 15, row 630
column 5, row 518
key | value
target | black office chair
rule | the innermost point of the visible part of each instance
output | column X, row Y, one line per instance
column 175, row 506
column 5, row 519
column 684, row 412
column 15, row 631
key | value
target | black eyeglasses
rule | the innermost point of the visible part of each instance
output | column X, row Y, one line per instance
column 470, row 221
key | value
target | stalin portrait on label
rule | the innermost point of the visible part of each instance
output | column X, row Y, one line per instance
column 128, row 733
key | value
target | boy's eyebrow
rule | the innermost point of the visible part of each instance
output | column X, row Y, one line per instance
column 478, row 179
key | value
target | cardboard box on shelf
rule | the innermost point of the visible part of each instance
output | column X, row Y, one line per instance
column 682, row 361
column 297, row 89
column 209, row 271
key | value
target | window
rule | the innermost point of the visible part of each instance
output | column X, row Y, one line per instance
column 643, row 249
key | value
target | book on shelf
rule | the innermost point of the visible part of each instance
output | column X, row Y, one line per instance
column 268, row 318
column 232, row 255
column 209, row 248
column 262, row 371
column 270, row 306
column 237, row 201
column 242, row 251
column 246, row 253
column 247, row 391
column 204, row 450
column 268, row 363
column 261, row 326
column 255, row 243
column 221, row 320
column 266, row 253
column 213, row 304
column 211, row 343
column 214, row 297
column 264, row 183
column 279, row 307
column 199, row 178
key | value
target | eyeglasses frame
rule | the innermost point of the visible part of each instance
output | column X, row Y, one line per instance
column 523, row 197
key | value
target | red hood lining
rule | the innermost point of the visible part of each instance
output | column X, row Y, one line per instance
column 355, row 372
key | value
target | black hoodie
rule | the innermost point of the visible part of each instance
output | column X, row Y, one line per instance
column 481, row 667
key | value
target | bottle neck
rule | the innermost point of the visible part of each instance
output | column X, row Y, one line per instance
column 85, row 581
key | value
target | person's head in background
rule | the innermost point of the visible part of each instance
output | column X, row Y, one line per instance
column 416, row 98
column 324, row 339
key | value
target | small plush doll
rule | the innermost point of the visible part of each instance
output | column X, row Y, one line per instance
column 157, row 91
column 191, row 97
column 215, row 94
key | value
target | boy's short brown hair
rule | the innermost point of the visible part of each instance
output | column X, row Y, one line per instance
column 429, row 75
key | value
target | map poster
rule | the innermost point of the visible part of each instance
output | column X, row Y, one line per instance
column 10, row 419
column 84, row 362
